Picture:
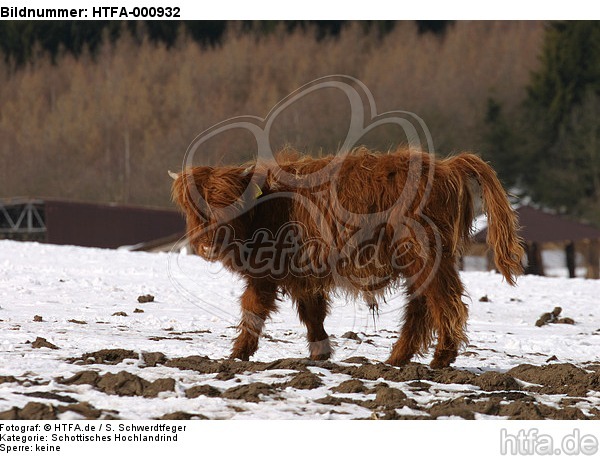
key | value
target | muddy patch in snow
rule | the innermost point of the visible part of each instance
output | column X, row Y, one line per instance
column 355, row 387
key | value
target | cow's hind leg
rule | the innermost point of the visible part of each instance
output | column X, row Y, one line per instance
column 417, row 332
column 448, row 312
column 312, row 311
column 258, row 301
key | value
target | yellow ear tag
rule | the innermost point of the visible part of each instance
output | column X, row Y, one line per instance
column 258, row 191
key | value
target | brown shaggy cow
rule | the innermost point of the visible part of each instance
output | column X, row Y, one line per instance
column 361, row 223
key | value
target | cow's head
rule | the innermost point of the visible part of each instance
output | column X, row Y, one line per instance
column 218, row 204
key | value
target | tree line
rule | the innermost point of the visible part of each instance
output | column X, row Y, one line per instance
column 20, row 40
column 99, row 111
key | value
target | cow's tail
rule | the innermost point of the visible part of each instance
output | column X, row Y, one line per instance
column 502, row 234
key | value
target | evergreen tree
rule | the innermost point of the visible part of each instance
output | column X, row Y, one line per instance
column 561, row 157
column 500, row 144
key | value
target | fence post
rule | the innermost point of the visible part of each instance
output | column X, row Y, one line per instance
column 570, row 253
column 593, row 259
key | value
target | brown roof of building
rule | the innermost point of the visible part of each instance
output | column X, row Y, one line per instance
column 539, row 226
column 108, row 225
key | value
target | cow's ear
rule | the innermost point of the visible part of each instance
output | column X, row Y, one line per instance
column 189, row 191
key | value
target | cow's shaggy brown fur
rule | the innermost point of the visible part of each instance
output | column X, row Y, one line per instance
column 361, row 223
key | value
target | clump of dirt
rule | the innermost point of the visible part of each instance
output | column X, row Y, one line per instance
column 201, row 364
column 45, row 411
column 521, row 408
column 552, row 317
column 38, row 318
column 350, row 386
column 84, row 409
column 373, row 372
column 121, row 384
column 225, row 376
column 484, row 298
column 202, row 390
column 80, row 378
column 333, row 401
column 390, row 397
column 273, row 339
column 182, row 416
column 530, row 410
column 411, row 371
column 415, row 371
column 449, row 375
column 8, row 379
column 249, row 393
column 108, row 356
column 419, row 385
column 138, row 311
column 563, row 378
column 356, row 360
column 461, row 407
column 152, row 359
column 158, row 338
column 119, row 314
column 50, row 395
column 127, row 384
column 78, row 322
column 495, row 381
column 31, row 411
column 40, row 342
column 304, row 380
column 351, row 335
column 145, row 298
column 386, row 398
column 298, row 364
column 206, row 365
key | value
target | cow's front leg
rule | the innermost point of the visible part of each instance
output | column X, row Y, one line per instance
column 312, row 311
column 258, row 301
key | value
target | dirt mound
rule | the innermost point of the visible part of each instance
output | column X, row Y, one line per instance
column 387, row 372
column 53, row 396
column 449, row 375
column 250, row 392
column 121, row 384
column 205, row 365
column 201, row 364
column 299, row 364
column 461, row 407
column 182, row 416
column 202, row 390
column 152, row 359
column 45, row 411
column 356, row 360
column 562, row 378
column 523, row 408
column 108, row 356
column 350, row 386
column 40, row 342
column 390, row 397
column 304, row 380
column 495, row 381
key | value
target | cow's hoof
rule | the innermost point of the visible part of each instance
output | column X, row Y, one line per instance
column 443, row 359
column 320, row 351
column 398, row 361
column 240, row 356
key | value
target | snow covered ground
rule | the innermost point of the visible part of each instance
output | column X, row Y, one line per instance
column 85, row 300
